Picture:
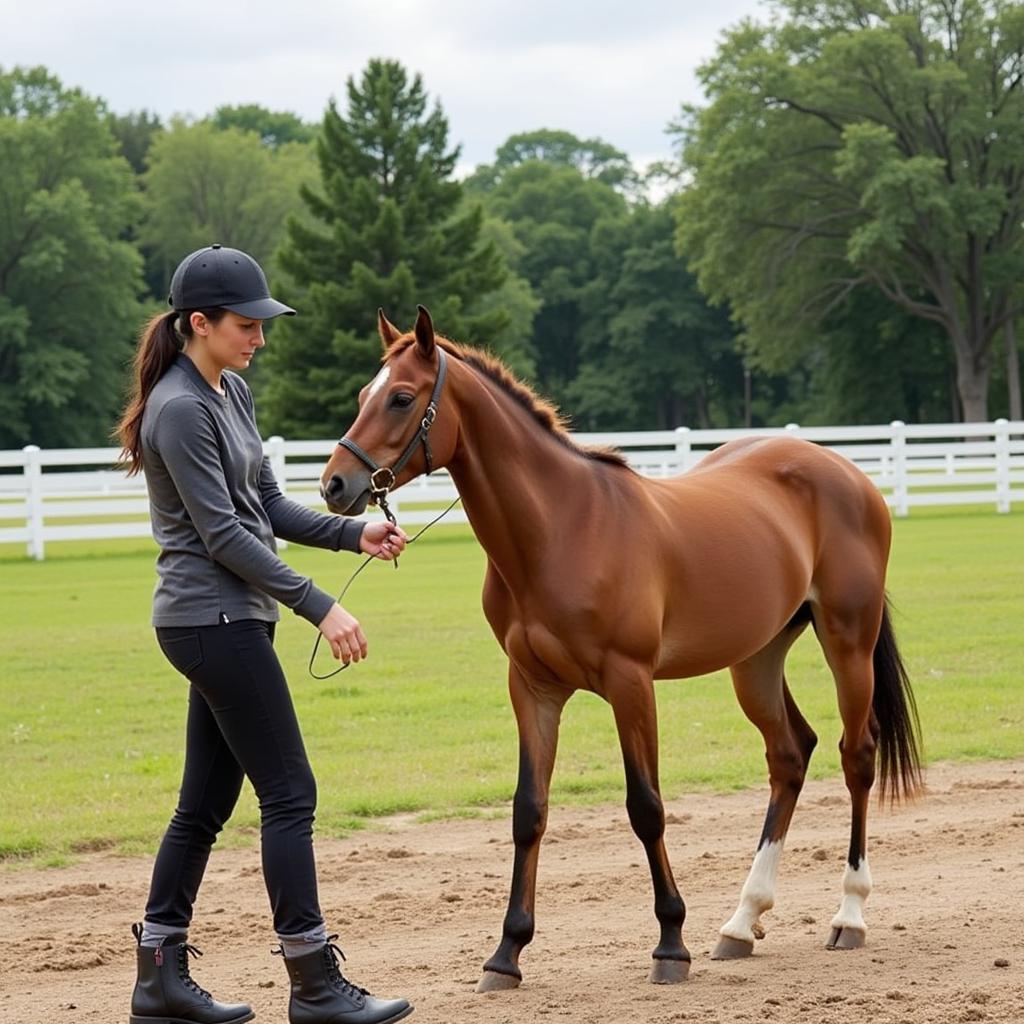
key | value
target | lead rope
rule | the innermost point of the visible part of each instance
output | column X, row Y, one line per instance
column 382, row 503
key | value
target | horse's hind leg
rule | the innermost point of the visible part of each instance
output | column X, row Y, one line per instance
column 631, row 694
column 762, row 692
column 538, row 710
column 848, row 637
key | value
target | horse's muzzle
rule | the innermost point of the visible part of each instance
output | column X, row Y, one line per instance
column 347, row 495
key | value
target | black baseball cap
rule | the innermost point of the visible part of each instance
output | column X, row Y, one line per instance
column 229, row 278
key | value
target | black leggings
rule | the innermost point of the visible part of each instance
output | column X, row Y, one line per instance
column 240, row 722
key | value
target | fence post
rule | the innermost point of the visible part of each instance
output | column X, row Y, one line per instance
column 34, row 501
column 1002, row 465
column 793, row 428
column 275, row 453
column 901, row 485
column 683, row 448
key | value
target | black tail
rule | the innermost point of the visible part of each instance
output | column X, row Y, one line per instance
column 896, row 712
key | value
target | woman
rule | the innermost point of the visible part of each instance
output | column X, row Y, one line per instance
column 215, row 510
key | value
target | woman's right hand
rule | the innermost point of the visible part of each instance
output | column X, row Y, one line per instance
column 344, row 634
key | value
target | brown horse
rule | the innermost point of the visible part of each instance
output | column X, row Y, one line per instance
column 599, row 579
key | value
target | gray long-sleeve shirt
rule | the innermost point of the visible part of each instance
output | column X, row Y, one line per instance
column 216, row 508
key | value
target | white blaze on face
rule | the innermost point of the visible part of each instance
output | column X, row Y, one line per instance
column 379, row 381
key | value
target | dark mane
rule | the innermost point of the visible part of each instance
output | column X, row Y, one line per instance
column 543, row 412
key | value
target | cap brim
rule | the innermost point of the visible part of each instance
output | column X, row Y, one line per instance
column 261, row 309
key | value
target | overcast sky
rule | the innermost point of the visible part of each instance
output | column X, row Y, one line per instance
column 616, row 69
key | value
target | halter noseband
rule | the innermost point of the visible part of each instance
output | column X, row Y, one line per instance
column 382, row 478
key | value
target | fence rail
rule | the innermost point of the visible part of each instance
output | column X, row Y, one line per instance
column 78, row 494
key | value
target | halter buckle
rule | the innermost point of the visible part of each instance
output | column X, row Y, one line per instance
column 378, row 488
column 429, row 416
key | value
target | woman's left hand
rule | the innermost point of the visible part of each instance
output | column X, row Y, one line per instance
column 383, row 540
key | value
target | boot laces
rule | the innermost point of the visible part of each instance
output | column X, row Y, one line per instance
column 183, row 972
column 331, row 953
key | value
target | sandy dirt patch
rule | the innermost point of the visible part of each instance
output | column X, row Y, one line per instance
column 419, row 909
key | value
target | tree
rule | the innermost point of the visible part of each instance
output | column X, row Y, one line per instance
column 274, row 127
column 387, row 232
column 135, row 132
column 209, row 185
column 875, row 362
column 68, row 279
column 513, row 343
column 554, row 211
column 1013, row 385
column 851, row 145
column 655, row 354
column 593, row 158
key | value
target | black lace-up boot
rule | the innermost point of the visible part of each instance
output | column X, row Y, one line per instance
column 165, row 992
column 322, row 995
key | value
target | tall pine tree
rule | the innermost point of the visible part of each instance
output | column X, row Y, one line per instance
column 387, row 231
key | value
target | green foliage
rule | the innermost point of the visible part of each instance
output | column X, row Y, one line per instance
column 274, row 127
column 874, row 363
column 514, row 342
column 593, row 158
column 622, row 338
column 654, row 353
column 849, row 146
column 389, row 233
column 68, row 279
column 91, row 727
column 858, row 194
column 554, row 212
column 207, row 184
column 135, row 132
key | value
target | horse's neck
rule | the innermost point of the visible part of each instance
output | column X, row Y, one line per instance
column 520, row 484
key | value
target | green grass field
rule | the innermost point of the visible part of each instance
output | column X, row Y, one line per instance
column 92, row 718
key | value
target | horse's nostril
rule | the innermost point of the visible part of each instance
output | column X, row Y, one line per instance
column 335, row 486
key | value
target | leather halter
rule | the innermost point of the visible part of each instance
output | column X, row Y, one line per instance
column 382, row 478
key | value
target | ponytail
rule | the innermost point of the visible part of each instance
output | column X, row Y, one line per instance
column 158, row 345
column 162, row 338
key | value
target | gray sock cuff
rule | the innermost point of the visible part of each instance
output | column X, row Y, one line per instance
column 303, row 942
column 154, row 934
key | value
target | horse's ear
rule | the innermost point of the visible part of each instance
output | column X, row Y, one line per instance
column 389, row 333
column 424, row 331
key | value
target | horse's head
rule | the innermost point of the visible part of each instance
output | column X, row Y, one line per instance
column 394, row 438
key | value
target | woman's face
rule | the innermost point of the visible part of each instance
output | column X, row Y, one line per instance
column 231, row 342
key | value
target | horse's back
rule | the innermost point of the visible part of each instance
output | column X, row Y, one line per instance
column 759, row 520
column 797, row 473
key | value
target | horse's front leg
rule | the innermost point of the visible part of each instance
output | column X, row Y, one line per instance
column 631, row 693
column 538, row 709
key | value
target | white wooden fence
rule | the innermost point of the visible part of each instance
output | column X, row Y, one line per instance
column 75, row 494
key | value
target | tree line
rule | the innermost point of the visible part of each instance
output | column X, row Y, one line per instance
column 838, row 239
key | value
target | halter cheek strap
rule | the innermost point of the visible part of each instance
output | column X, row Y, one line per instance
column 382, row 478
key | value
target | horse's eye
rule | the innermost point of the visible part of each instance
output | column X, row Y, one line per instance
column 401, row 401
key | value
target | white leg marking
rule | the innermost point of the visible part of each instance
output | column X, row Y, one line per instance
column 757, row 895
column 379, row 381
column 856, row 888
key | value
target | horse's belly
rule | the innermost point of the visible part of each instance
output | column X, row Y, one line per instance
column 728, row 616
column 697, row 654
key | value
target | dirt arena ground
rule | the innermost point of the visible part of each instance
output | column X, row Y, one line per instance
column 419, row 907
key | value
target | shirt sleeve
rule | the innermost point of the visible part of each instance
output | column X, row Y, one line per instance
column 295, row 522
column 185, row 440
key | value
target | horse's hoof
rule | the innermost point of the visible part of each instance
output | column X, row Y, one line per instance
column 669, row 972
column 492, row 981
column 729, row 948
column 845, row 938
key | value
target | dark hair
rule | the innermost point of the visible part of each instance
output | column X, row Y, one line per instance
column 160, row 341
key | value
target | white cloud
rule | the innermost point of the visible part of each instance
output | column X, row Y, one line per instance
column 597, row 68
